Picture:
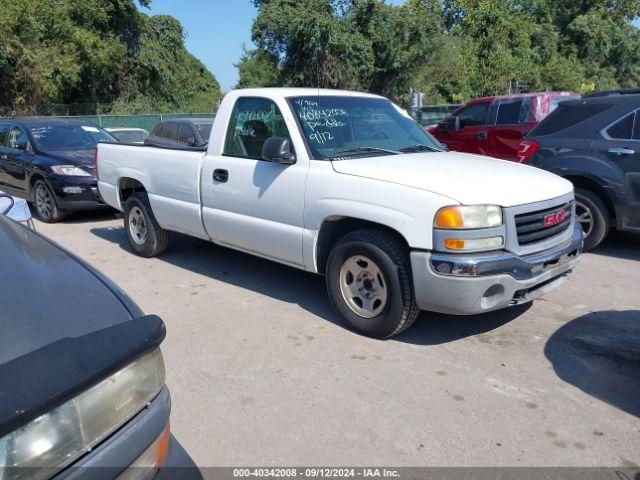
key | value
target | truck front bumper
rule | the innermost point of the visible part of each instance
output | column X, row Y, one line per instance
column 460, row 284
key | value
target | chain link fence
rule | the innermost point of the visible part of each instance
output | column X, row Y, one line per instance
column 92, row 113
column 426, row 115
column 431, row 114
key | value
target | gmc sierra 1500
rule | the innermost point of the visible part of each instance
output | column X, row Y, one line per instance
column 346, row 185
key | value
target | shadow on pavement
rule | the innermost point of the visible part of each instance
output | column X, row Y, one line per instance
column 599, row 353
column 623, row 245
column 437, row 328
column 302, row 288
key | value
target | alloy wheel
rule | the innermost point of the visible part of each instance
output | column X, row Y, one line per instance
column 584, row 217
column 44, row 202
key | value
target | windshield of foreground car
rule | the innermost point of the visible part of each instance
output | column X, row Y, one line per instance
column 69, row 137
column 337, row 127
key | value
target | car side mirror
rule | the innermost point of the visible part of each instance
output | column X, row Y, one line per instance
column 192, row 142
column 25, row 147
column 451, row 124
column 278, row 150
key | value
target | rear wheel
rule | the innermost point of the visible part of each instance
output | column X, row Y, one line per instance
column 593, row 217
column 145, row 236
column 44, row 201
column 370, row 284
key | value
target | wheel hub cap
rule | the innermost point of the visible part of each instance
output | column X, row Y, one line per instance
column 138, row 226
column 363, row 286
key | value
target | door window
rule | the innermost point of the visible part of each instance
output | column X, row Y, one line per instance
column 253, row 121
column 474, row 114
column 622, row 129
column 636, row 127
column 514, row 111
column 3, row 135
column 16, row 137
column 187, row 135
column 157, row 130
column 170, row 131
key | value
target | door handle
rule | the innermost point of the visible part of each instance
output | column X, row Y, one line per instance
column 482, row 135
column 220, row 175
column 622, row 151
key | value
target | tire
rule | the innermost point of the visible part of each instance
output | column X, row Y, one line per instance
column 373, row 263
column 595, row 218
column 45, row 203
column 146, row 238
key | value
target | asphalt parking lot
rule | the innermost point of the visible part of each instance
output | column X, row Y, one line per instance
column 261, row 372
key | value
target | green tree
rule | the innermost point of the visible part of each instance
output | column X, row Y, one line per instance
column 97, row 52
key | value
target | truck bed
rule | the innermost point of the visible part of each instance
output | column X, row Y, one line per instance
column 170, row 176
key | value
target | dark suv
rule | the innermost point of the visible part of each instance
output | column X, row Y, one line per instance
column 193, row 132
column 50, row 162
column 595, row 143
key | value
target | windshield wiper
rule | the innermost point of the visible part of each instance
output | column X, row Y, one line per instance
column 350, row 151
column 419, row 148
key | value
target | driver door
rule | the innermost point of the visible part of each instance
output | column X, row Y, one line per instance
column 249, row 203
column 18, row 162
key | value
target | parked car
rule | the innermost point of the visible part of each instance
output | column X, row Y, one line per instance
column 82, row 378
column 190, row 132
column 344, row 184
column 495, row 126
column 129, row 135
column 594, row 143
column 50, row 162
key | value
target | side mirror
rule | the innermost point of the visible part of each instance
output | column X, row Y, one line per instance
column 451, row 124
column 278, row 150
column 26, row 147
column 192, row 142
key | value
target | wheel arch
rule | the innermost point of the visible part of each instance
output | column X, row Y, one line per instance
column 587, row 183
column 333, row 228
column 127, row 186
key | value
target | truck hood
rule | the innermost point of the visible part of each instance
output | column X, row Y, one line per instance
column 467, row 179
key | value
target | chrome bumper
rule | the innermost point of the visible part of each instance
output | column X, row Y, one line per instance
column 477, row 283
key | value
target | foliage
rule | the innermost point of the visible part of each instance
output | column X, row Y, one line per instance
column 98, row 52
column 450, row 49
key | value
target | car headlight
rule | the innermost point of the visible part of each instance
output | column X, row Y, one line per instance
column 469, row 217
column 70, row 170
column 474, row 228
column 56, row 439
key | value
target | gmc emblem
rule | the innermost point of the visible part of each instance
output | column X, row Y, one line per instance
column 554, row 219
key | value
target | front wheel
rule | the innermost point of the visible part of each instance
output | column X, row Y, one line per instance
column 44, row 201
column 370, row 284
column 145, row 236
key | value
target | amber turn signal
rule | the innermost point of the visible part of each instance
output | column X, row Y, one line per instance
column 450, row 217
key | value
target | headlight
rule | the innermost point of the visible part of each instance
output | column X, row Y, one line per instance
column 70, row 171
column 469, row 217
column 58, row 438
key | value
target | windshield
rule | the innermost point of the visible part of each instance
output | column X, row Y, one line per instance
column 338, row 127
column 69, row 137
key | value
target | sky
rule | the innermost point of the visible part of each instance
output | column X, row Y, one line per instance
column 216, row 30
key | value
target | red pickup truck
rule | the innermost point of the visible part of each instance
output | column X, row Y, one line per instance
column 495, row 126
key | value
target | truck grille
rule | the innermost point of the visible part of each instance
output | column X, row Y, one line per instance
column 537, row 226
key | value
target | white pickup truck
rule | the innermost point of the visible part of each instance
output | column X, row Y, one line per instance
column 346, row 185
